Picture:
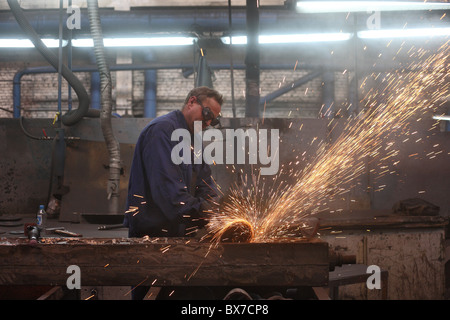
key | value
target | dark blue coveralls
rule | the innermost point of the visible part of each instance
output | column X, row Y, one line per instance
column 159, row 189
column 161, row 202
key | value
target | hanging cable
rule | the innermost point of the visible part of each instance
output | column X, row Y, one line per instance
column 112, row 144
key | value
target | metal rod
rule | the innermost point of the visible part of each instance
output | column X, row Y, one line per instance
column 233, row 105
column 69, row 62
column 60, row 58
column 252, row 60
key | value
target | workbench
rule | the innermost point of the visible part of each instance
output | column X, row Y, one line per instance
column 110, row 258
column 164, row 262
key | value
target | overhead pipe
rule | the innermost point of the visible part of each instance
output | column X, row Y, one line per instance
column 17, row 84
column 208, row 20
column 230, row 23
column 72, row 116
column 290, row 86
column 150, row 87
column 161, row 20
column 112, row 144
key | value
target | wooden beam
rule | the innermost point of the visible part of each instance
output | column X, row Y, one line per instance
column 164, row 262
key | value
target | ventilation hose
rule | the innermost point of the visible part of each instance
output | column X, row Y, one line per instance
column 106, row 107
column 72, row 116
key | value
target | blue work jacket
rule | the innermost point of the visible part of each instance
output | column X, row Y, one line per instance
column 160, row 202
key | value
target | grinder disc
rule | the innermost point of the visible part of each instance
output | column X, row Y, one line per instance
column 239, row 231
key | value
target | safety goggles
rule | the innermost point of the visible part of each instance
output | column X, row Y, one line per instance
column 208, row 115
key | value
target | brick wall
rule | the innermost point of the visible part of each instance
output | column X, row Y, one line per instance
column 39, row 96
column 7, row 72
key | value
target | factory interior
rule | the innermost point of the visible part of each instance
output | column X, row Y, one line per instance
column 340, row 110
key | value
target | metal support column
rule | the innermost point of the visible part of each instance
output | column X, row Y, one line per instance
column 252, row 60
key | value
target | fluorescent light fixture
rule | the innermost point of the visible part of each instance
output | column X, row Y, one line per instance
column 404, row 33
column 292, row 38
column 25, row 43
column 363, row 6
column 447, row 118
column 136, row 42
column 236, row 40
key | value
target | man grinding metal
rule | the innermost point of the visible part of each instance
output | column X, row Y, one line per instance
column 167, row 199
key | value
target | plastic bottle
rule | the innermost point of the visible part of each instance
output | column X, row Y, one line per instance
column 41, row 219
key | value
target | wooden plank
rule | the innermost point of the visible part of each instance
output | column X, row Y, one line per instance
column 165, row 262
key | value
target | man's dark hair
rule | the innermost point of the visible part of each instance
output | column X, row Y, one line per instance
column 204, row 92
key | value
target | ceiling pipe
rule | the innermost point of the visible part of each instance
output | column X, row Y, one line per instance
column 204, row 20
column 150, row 89
column 155, row 20
column 290, row 86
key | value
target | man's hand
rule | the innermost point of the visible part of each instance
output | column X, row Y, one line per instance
column 208, row 207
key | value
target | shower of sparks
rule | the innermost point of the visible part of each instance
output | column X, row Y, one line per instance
column 405, row 96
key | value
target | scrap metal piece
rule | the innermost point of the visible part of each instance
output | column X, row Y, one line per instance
column 67, row 233
column 112, row 226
